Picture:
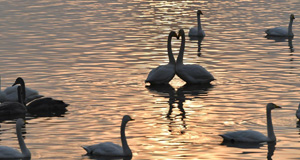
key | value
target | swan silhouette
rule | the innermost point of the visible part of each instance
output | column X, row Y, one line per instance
column 250, row 136
column 282, row 31
column 298, row 112
column 10, row 153
column 10, row 94
column 197, row 31
column 44, row 104
column 109, row 148
column 8, row 109
column 164, row 74
column 191, row 74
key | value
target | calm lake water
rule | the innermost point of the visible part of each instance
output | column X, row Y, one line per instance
column 95, row 55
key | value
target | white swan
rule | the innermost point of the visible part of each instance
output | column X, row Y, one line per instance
column 109, row 148
column 282, row 31
column 13, row 108
column 298, row 112
column 10, row 94
column 164, row 74
column 191, row 74
column 44, row 104
column 250, row 136
column 197, row 31
column 7, row 152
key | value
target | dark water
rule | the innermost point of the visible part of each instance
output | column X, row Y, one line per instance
column 96, row 55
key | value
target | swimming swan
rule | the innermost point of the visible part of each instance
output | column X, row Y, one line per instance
column 7, row 152
column 164, row 74
column 109, row 148
column 282, row 31
column 13, row 108
column 250, row 136
column 197, row 31
column 10, row 94
column 191, row 74
column 44, row 104
column 298, row 112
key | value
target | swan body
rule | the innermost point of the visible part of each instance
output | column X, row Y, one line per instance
column 282, row 31
column 109, row 148
column 13, row 108
column 191, row 74
column 197, row 31
column 7, row 152
column 298, row 112
column 250, row 136
column 164, row 74
column 44, row 104
column 10, row 94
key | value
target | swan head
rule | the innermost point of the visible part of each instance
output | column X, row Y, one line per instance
column 292, row 16
column 199, row 12
column 127, row 118
column 173, row 34
column 180, row 33
column 272, row 106
column 19, row 80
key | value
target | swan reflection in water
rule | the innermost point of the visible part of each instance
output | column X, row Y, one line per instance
column 109, row 158
column 200, row 39
column 179, row 97
column 283, row 39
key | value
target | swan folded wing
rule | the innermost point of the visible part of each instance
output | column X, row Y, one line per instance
column 193, row 31
column 195, row 74
column 7, row 152
column 11, row 94
column 161, row 74
column 278, row 31
column 46, row 104
column 245, row 136
column 105, row 149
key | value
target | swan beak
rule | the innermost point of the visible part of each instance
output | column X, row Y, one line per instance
column 277, row 106
column 131, row 119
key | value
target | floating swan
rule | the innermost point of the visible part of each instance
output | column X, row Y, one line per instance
column 13, row 108
column 298, row 112
column 197, row 31
column 44, row 104
column 191, row 74
column 109, row 148
column 10, row 94
column 250, row 136
column 164, row 74
column 7, row 152
column 282, row 31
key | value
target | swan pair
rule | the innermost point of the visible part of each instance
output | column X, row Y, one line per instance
column 191, row 74
column 11, row 153
column 250, row 136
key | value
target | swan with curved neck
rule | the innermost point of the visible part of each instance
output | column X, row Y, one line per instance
column 10, row 93
column 197, row 31
column 164, row 74
column 254, row 136
column 109, row 148
column 13, row 108
column 44, row 104
column 191, row 74
column 282, row 31
column 7, row 152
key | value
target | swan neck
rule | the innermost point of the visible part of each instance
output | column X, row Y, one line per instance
column 290, row 30
column 170, row 53
column 20, row 96
column 199, row 23
column 181, row 51
column 126, row 149
column 24, row 149
column 271, row 134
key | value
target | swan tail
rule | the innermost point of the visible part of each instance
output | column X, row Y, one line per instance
column 86, row 148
